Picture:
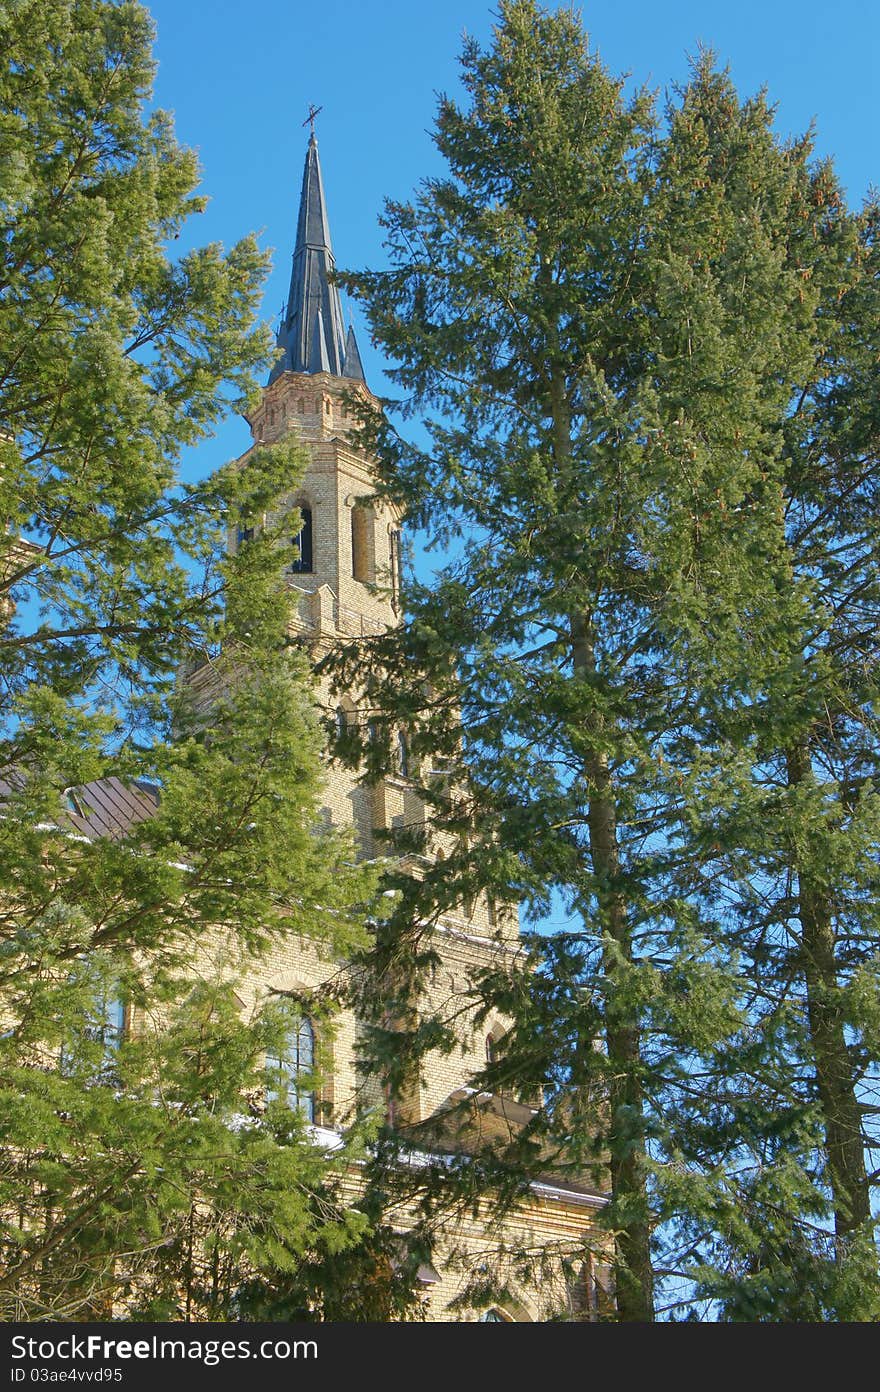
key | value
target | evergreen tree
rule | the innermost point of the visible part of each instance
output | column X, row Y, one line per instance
column 616, row 326
column 795, row 849
column 145, row 1173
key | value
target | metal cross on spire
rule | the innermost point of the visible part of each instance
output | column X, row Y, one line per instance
column 310, row 119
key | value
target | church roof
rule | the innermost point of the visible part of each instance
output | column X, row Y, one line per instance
column 312, row 335
column 108, row 807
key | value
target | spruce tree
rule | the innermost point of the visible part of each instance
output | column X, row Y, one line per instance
column 608, row 321
column 145, row 1172
column 794, row 854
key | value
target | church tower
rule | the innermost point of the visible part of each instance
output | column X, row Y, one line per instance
column 344, row 571
column 345, row 560
column 347, row 545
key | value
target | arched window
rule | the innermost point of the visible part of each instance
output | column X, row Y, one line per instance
column 341, row 721
column 295, row 1064
column 303, row 558
column 494, row 1042
column 495, row 1316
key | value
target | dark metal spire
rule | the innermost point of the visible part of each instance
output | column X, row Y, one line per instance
column 353, row 366
column 312, row 336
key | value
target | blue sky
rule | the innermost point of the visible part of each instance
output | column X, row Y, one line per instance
column 239, row 79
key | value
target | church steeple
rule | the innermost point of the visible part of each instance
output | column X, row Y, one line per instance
column 312, row 336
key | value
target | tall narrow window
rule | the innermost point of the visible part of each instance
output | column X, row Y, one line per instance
column 402, row 755
column 341, row 721
column 403, row 1102
column 394, row 539
column 302, row 562
column 295, row 1064
column 104, row 1025
column 245, row 534
column 108, row 1025
column 360, row 545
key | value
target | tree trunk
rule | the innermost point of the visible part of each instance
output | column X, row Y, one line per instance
column 835, row 1084
column 634, row 1276
column 634, row 1272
